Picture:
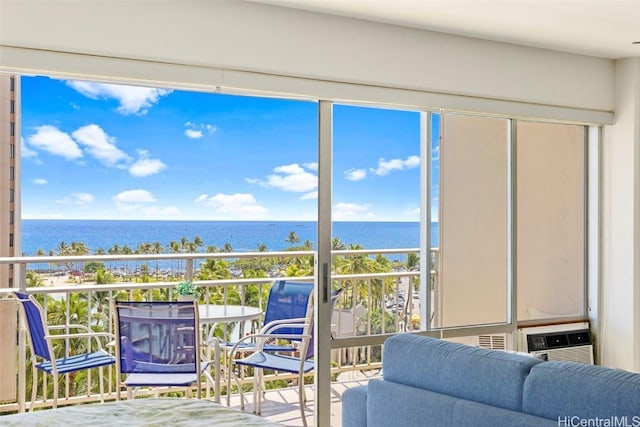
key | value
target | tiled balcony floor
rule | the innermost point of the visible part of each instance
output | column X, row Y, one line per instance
column 281, row 406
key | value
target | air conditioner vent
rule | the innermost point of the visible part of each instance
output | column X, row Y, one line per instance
column 492, row 342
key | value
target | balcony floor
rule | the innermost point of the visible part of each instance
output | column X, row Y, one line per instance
column 281, row 406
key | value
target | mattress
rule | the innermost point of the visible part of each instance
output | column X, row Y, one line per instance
column 157, row 412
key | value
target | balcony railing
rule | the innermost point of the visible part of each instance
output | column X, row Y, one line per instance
column 381, row 296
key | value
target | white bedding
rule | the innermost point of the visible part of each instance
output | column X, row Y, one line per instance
column 159, row 412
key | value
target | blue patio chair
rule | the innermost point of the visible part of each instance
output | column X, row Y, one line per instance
column 158, row 345
column 41, row 343
column 287, row 300
column 261, row 359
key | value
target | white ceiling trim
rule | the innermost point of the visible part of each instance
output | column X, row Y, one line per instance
column 208, row 79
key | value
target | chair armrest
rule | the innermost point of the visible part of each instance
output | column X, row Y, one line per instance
column 283, row 323
column 262, row 337
column 94, row 335
column 71, row 326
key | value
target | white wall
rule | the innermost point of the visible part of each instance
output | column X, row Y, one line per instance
column 620, row 290
column 237, row 36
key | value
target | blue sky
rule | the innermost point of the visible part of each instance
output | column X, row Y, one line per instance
column 99, row 151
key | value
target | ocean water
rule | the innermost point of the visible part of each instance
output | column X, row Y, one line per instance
column 243, row 236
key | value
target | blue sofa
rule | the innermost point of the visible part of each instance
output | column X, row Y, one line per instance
column 431, row 382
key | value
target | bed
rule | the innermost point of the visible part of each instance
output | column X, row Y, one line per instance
column 157, row 412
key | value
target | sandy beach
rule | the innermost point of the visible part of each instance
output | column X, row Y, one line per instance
column 59, row 281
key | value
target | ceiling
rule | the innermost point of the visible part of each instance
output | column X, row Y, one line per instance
column 603, row 28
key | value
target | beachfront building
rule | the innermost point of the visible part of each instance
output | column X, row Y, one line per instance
column 9, row 164
column 554, row 233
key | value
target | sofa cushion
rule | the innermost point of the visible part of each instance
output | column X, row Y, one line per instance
column 390, row 405
column 472, row 414
column 491, row 377
column 562, row 390
column 396, row 405
column 354, row 407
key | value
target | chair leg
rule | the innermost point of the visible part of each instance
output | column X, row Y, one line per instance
column 303, row 399
column 34, row 388
column 210, row 385
column 55, row 390
column 118, row 386
column 101, row 379
column 230, row 373
column 257, row 396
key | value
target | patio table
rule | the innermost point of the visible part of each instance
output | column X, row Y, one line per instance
column 211, row 315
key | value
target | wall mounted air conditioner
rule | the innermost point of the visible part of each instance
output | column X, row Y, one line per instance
column 570, row 342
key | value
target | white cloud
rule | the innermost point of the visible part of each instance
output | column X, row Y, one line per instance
column 355, row 174
column 40, row 181
column 197, row 130
column 54, row 141
column 291, row 178
column 386, row 166
column 99, row 144
column 238, row 205
column 311, row 166
column 136, row 197
column 143, row 202
column 132, row 99
column 145, row 166
column 193, row 134
column 351, row 211
column 26, row 152
column 79, row 199
column 309, row 196
column 435, row 154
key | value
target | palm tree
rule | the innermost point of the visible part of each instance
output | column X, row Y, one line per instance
column 413, row 261
column 262, row 247
column 157, row 249
column 198, row 242
column 337, row 244
column 34, row 280
column 355, row 264
column 292, row 238
column 40, row 252
column 215, row 269
column 413, row 264
column 227, row 248
column 174, row 248
column 64, row 249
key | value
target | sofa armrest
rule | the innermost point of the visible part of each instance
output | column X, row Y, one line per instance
column 354, row 407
